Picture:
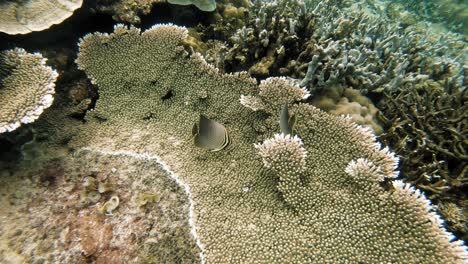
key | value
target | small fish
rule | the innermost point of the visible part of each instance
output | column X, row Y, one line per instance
column 287, row 121
column 209, row 134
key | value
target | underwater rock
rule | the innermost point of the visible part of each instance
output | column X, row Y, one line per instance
column 42, row 222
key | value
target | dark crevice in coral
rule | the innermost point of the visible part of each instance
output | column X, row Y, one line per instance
column 94, row 100
column 167, row 96
column 11, row 142
column 149, row 116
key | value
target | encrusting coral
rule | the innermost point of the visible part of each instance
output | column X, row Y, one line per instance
column 22, row 17
column 324, row 195
column 27, row 87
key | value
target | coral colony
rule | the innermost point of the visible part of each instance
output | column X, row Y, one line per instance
column 270, row 132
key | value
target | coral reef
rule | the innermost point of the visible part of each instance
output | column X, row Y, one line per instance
column 163, row 158
column 335, row 45
column 130, row 11
column 331, row 42
column 451, row 13
column 427, row 126
column 26, row 88
column 327, row 195
column 22, row 17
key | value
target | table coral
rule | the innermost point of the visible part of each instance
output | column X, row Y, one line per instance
column 22, row 17
column 27, row 87
column 323, row 201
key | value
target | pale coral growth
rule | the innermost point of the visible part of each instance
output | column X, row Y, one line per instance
column 363, row 168
column 22, row 17
column 349, row 102
column 127, row 10
column 274, row 93
column 252, row 102
column 26, row 88
column 283, row 152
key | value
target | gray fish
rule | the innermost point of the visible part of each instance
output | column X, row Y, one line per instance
column 209, row 134
column 287, row 121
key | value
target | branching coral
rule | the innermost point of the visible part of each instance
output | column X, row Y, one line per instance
column 326, row 43
column 26, row 88
column 21, row 17
column 427, row 127
column 322, row 197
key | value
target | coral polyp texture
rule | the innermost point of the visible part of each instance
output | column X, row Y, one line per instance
column 22, row 17
column 27, row 87
column 326, row 194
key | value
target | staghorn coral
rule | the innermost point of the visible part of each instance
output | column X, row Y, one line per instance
column 331, row 42
column 22, row 17
column 26, row 88
column 427, row 127
column 369, row 52
column 331, row 208
column 451, row 14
